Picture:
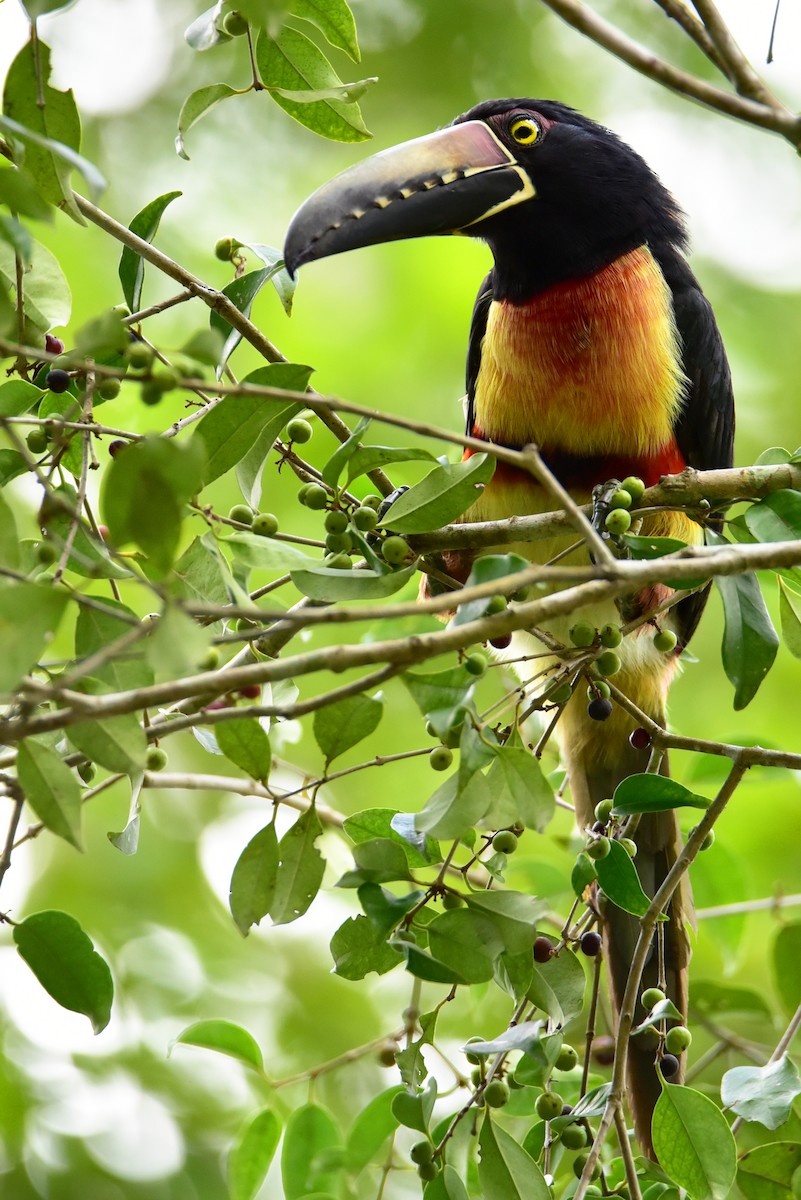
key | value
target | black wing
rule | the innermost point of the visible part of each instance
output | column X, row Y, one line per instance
column 478, row 327
column 705, row 429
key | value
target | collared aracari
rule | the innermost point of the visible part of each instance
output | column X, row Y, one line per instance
column 591, row 338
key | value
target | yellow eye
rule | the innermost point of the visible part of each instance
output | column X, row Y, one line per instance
column 525, row 131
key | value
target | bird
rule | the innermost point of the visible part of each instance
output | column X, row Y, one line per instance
column 592, row 339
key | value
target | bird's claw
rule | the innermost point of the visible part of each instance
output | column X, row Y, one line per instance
column 389, row 500
column 601, row 504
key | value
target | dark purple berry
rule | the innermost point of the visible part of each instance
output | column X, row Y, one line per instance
column 591, row 943
column 116, row 447
column 640, row 738
column 670, row 1065
column 53, row 344
column 599, row 709
column 57, row 380
column 567, row 1110
column 501, row 643
column 603, row 1050
column 543, row 949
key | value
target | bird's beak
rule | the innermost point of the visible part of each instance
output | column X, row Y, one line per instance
column 442, row 183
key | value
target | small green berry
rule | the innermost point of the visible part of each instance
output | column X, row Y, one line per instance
column 338, row 543
column 599, row 688
column 582, row 634
column 603, row 810
column 611, row 636
column 303, row 492
column 265, row 524
column 620, row 499
column 496, row 604
column 421, row 1152
column 316, row 497
column 224, row 247
column 299, row 431
column 372, row 501
column 607, row 663
column 395, row 550
column 36, row 441
column 242, row 514
column 335, row 521
column 567, row 1059
column 580, row 1162
column 634, row 486
column 562, row 694
column 665, row 641
column 651, row 997
column 428, row 1171
column 573, row 1137
column 617, row 521
column 235, row 24
column 109, row 389
column 364, row 518
column 597, row 848
column 87, row 771
column 452, row 900
column 630, row 846
column 549, row 1105
column 139, row 355
column 678, row 1039
column 156, row 759
column 496, row 1093
column 440, row 758
column 46, row 554
column 504, row 842
column 339, row 562
column 475, row 1059
column 708, row 841
column 475, row 663
column 151, row 393
column 210, row 660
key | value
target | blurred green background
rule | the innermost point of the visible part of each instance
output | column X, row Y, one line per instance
column 116, row 1117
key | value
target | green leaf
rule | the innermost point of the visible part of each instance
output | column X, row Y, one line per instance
column 749, row 639
column 88, row 555
column 370, row 1129
column 467, row 942
column 246, row 744
column 66, row 964
column 17, row 396
column 47, row 299
column 367, row 458
column 97, row 629
column 583, row 874
column 38, row 8
column 334, row 20
column 620, row 882
column 144, row 493
column 12, row 464
column 29, row 616
column 289, row 376
column 116, row 743
column 19, row 194
column 653, row 793
column 51, row 789
column 693, row 1143
column 487, row 569
column 281, row 280
column 384, row 910
column 348, row 93
column 241, row 292
column 410, row 1061
column 251, row 1155
column 127, row 839
column 132, row 266
column 513, row 914
column 719, row 878
column 413, row 1109
column 763, row 1094
column 47, row 122
column 380, row 860
column 505, row 1170
column 662, row 1011
column 311, row 1134
column 716, row 999
column 300, row 870
column 777, row 518
column 520, row 790
column 441, row 696
column 341, row 456
column 766, row 1173
column 557, row 987
column 453, row 809
column 447, row 1186
column 203, row 573
column 226, row 1038
column 203, row 33
column 323, row 583
column 101, row 336
column 787, row 964
column 176, row 644
column 18, row 237
column 790, row 614
column 424, row 966
column 254, row 879
column 524, row 1036
column 265, row 554
column 420, row 851
column 338, row 727
column 441, row 497
column 358, row 948
column 9, row 537
column 195, row 106
column 294, row 63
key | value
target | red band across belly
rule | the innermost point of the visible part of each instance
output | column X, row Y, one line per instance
column 582, row 472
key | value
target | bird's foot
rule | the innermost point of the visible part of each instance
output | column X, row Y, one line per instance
column 388, row 501
column 610, row 518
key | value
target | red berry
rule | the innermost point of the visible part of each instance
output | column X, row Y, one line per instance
column 251, row 691
column 53, row 344
column 501, row 643
column 543, row 949
column 603, row 1050
column 640, row 738
column 103, row 531
column 591, row 943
